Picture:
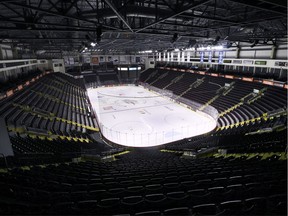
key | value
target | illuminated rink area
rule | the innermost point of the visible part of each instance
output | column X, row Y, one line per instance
column 135, row 116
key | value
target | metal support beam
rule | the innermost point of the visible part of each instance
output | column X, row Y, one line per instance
column 54, row 5
column 48, row 29
column 242, row 24
column 49, row 12
column 278, row 3
column 173, row 15
column 71, row 5
column 253, row 5
column 12, row 9
column 111, row 5
column 87, row 28
column 7, row 1
column 56, row 14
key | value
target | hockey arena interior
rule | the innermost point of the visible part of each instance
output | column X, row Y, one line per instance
column 153, row 107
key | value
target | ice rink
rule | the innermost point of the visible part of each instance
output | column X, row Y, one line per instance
column 135, row 116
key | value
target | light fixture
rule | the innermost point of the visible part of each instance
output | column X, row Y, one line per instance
column 93, row 44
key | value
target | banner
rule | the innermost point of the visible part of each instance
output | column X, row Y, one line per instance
column 201, row 57
column 210, row 57
column 220, row 58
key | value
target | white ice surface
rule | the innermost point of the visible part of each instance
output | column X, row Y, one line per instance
column 134, row 116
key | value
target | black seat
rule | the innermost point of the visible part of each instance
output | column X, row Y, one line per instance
column 148, row 213
column 132, row 204
column 255, row 206
column 177, row 211
column 154, row 187
column 156, row 201
column 233, row 192
column 98, row 194
column 63, row 208
column 205, row 209
column 119, row 192
column 277, row 204
column 135, row 190
column 233, row 207
column 216, row 194
column 177, row 199
column 109, row 205
column 87, row 206
column 198, row 197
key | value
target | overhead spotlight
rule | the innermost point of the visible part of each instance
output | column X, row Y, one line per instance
column 216, row 40
column 174, row 38
column 255, row 42
column 99, row 33
column 93, row 44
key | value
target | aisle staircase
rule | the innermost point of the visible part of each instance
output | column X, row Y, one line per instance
column 51, row 116
column 253, row 96
column 151, row 75
column 175, row 80
column 160, row 77
column 195, row 84
column 221, row 91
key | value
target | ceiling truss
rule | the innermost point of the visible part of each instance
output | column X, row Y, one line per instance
column 136, row 25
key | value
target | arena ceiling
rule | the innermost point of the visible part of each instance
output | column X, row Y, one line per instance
column 132, row 25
